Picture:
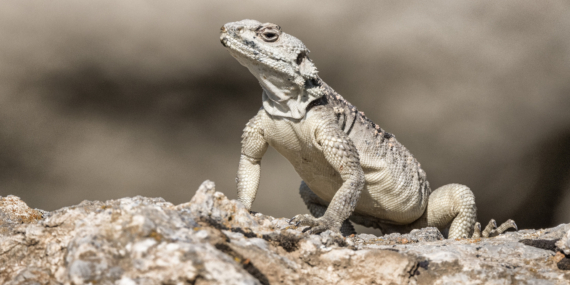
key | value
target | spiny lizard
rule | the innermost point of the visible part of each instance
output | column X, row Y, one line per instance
column 352, row 169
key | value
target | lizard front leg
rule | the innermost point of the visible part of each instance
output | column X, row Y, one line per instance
column 340, row 152
column 253, row 148
column 318, row 207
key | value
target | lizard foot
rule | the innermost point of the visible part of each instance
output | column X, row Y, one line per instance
column 492, row 230
column 315, row 225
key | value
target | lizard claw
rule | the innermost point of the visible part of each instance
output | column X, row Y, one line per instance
column 507, row 225
column 476, row 230
column 291, row 221
column 304, row 220
column 315, row 225
column 492, row 230
column 491, row 226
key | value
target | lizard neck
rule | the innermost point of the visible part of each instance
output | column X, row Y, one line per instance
column 284, row 98
column 276, row 104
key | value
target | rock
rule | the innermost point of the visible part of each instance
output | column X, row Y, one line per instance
column 14, row 210
column 564, row 243
column 214, row 240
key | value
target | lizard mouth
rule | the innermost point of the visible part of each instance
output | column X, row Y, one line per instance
column 245, row 47
column 256, row 54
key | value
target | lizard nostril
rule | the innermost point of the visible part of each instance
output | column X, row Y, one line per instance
column 223, row 29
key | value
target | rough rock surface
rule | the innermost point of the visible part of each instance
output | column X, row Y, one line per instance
column 213, row 240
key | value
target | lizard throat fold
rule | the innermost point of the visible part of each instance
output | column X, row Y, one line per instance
column 288, row 97
column 288, row 107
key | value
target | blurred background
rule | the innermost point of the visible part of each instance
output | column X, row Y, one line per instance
column 106, row 99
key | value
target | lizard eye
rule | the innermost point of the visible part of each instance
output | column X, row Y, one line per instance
column 270, row 35
column 268, row 32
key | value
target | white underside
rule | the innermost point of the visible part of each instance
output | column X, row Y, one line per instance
column 291, row 107
column 281, row 96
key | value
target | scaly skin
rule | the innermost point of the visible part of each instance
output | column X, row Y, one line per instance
column 352, row 170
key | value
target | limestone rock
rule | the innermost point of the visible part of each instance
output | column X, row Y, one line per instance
column 564, row 243
column 214, row 240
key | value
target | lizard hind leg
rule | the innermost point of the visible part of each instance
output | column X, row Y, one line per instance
column 453, row 205
column 318, row 207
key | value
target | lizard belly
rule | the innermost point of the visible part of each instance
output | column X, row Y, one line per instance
column 294, row 141
column 388, row 194
column 312, row 167
column 382, row 196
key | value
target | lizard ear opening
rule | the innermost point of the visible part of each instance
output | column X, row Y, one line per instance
column 306, row 67
column 300, row 57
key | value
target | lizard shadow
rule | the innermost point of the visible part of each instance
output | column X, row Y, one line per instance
column 539, row 209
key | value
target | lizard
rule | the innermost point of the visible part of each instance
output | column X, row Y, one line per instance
column 352, row 170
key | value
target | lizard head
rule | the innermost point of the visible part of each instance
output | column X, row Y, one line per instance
column 265, row 46
column 279, row 61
